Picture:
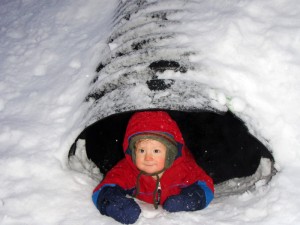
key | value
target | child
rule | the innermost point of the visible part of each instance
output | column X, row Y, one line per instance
column 157, row 168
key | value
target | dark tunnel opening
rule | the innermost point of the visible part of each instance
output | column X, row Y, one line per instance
column 220, row 143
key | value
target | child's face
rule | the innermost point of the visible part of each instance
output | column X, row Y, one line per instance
column 150, row 155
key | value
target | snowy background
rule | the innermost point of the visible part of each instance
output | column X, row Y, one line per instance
column 250, row 52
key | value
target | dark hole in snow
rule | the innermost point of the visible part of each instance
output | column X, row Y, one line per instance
column 159, row 15
column 99, row 68
column 159, row 85
column 126, row 17
column 100, row 93
column 163, row 65
column 220, row 143
column 95, row 95
column 139, row 45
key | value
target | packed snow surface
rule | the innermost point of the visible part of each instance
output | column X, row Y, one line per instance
column 249, row 55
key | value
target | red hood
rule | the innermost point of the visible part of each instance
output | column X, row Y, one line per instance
column 158, row 121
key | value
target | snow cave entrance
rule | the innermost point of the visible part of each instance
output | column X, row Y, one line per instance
column 220, row 143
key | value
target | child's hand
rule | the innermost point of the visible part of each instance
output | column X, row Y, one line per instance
column 191, row 198
column 112, row 201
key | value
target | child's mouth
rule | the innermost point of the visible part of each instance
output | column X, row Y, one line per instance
column 149, row 165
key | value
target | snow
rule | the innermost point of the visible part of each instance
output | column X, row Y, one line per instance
column 249, row 55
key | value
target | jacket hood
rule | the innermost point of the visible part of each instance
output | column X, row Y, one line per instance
column 152, row 121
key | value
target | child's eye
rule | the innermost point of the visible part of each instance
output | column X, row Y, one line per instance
column 156, row 151
column 141, row 150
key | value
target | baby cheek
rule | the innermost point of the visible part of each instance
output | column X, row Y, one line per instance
column 139, row 159
column 161, row 161
column 139, row 164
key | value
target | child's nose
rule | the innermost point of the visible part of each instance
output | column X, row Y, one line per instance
column 148, row 157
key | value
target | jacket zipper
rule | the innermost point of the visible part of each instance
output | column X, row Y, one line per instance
column 158, row 196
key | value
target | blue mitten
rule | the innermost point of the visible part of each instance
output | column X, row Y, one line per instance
column 191, row 198
column 112, row 201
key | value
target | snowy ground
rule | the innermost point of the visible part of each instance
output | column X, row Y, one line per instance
column 49, row 50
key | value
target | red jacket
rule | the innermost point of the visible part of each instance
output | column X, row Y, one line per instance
column 183, row 172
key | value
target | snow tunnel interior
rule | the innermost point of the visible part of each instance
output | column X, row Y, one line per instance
column 220, row 143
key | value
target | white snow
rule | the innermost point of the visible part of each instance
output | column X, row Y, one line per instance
column 250, row 55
